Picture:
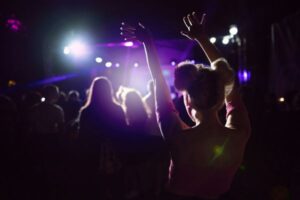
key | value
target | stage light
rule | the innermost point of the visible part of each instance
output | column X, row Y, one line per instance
column 225, row 40
column 78, row 48
column 14, row 24
column 108, row 64
column 193, row 61
column 213, row 40
column 67, row 50
column 233, row 30
column 117, row 64
column 281, row 99
column 11, row 83
column 43, row 99
column 98, row 60
column 136, row 64
column 128, row 44
column 173, row 63
column 244, row 76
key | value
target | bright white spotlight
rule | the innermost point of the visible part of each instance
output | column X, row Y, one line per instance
column 67, row 50
column 136, row 64
column 78, row 48
column 117, row 64
column 98, row 60
column 108, row 64
column 281, row 99
column 43, row 99
column 213, row 40
column 128, row 44
column 225, row 40
column 233, row 30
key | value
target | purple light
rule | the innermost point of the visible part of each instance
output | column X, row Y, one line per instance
column 98, row 60
column 136, row 64
column 108, row 64
column 122, row 44
column 15, row 27
column 128, row 44
column 13, row 24
column 51, row 80
column 244, row 76
column 173, row 95
column 166, row 72
column 117, row 65
column 173, row 63
column 110, row 44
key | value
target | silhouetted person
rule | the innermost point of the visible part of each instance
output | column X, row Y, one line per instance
column 102, row 123
column 28, row 101
column 47, row 117
column 145, row 151
column 149, row 100
column 72, row 106
column 205, row 157
column 46, row 122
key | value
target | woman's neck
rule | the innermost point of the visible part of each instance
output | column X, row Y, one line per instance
column 206, row 117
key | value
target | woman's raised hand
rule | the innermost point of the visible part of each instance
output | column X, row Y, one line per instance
column 131, row 33
column 194, row 25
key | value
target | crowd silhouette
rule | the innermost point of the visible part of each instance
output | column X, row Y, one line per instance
column 118, row 145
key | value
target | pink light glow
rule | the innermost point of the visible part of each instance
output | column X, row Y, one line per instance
column 13, row 24
column 128, row 44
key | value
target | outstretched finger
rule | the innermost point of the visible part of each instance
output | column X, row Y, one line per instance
column 186, row 22
column 127, row 26
column 125, row 30
column 203, row 18
column 141, row 25
column 127, row 34
column 130, row 38
column 186, row 34
column 190, row 19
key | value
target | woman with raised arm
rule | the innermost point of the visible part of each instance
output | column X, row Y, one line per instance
column 205, row 157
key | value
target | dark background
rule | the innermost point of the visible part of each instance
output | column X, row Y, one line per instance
column 271, row 162
column 45, row 23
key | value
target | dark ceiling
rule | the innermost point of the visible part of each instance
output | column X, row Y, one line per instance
column 46, row 22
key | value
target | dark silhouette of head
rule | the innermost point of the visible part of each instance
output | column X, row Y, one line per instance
column 135, row 108
column 201, row 84
column 31, row 98
column 100, row 93
column 51, row 93
column 73, row 95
